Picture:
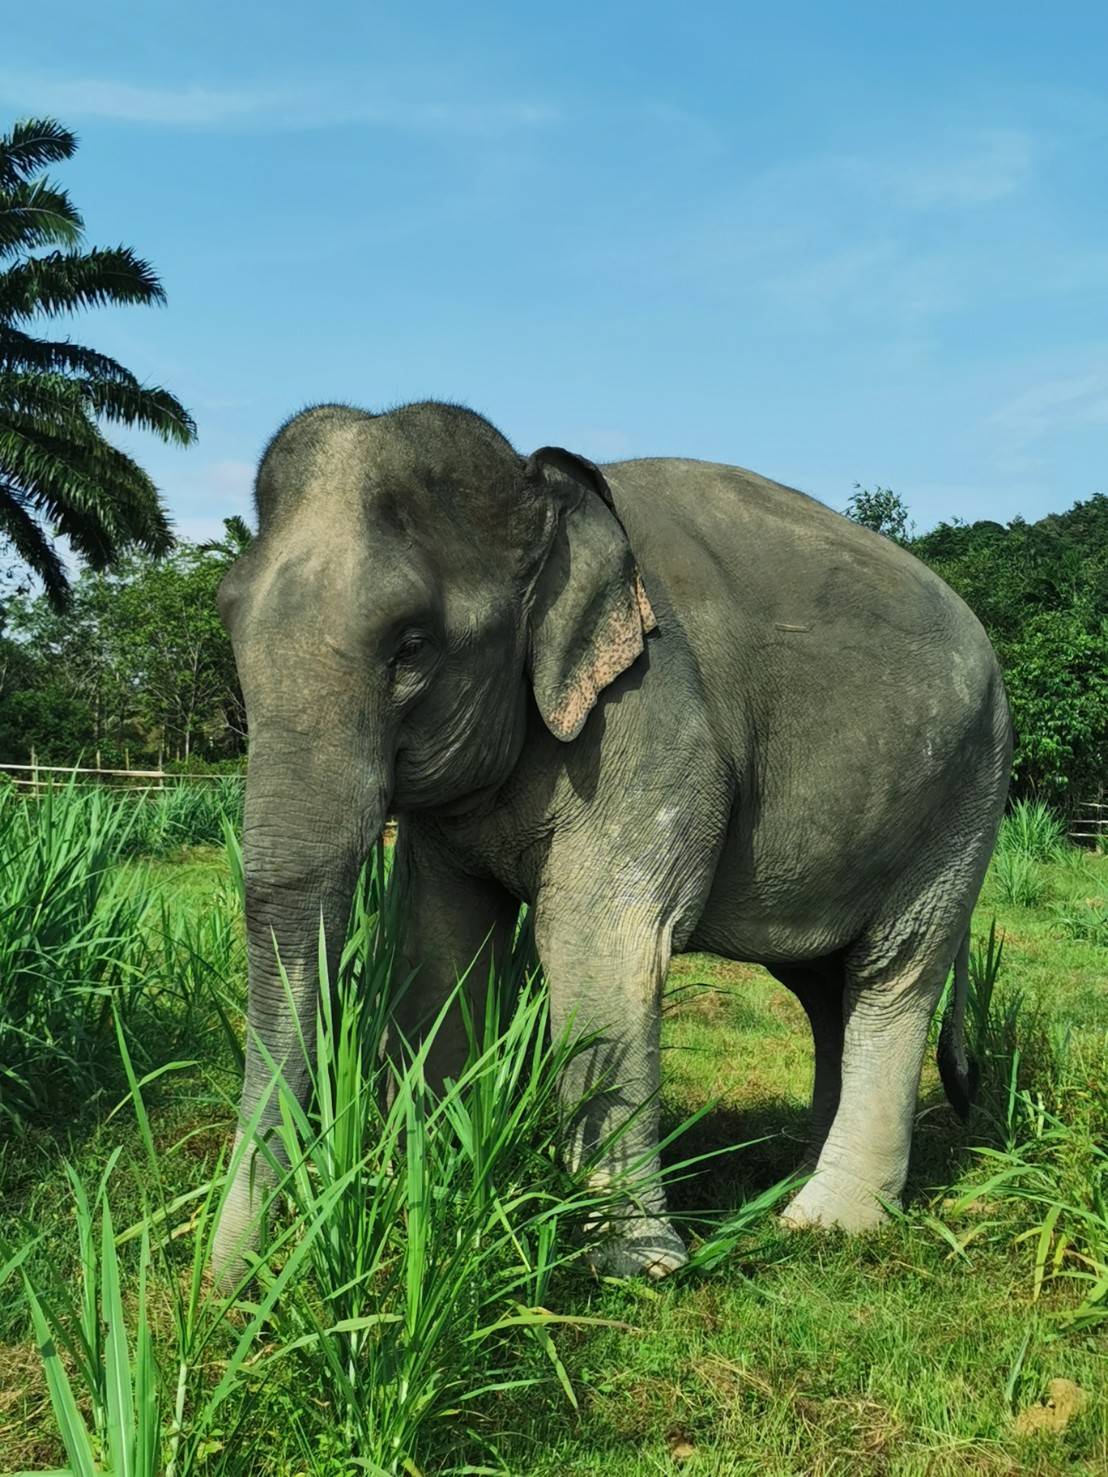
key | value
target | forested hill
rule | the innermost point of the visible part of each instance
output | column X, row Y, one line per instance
column 139, row 665
column 1001, row 570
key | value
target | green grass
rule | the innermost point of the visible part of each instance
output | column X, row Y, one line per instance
column 909, row 1350
column 1032, row 829
column 86, row 934
column 186, row 813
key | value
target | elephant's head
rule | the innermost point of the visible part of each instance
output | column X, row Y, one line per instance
column 413, row 583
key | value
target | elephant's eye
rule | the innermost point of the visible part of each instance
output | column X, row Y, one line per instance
column 412, row 646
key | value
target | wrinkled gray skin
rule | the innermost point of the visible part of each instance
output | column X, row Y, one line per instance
column 792, row 750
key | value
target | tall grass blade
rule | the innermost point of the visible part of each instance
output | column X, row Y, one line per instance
column 71, row 1427
column 117, row 1360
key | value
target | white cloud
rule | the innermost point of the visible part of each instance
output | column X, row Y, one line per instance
column 970, row 169
column 883, row 283
column 199, row 502
column 1064, row 403
column 232, row 479
column 466, row 117
column 266, row 107
column 690, row 130
column 91, row 98
column 838, row 241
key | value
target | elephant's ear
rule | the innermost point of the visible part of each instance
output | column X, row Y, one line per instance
column 589, row 612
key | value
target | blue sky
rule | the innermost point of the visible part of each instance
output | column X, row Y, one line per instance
column 832, row 243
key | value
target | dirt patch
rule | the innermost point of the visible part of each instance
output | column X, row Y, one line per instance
column 696, row 999
column 1063, row 1400
column 203, row 1141
column 681, row 1447
column 864, row 1432
column 728, row 1379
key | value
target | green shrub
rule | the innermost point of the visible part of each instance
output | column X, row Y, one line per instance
column 80, row 934
column 1039, row 1178
column 1031, row 829
column 1018, row 878
column 991, row 1021
column 185, row 814
column 1045, row 1189
column 1086, row 918
column 69, row 933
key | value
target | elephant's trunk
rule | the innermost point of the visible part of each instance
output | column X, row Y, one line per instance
column 310, row 821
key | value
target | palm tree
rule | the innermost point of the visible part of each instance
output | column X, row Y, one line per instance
column 237, row 538
column 59, row 475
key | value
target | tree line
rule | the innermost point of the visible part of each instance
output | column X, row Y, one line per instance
column 138, row 667
column 1041, row 592
column 136, row 670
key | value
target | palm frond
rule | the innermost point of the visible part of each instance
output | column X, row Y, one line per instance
column 56, row 466
column 95, row 494
column 21, row 351
column 51, row 485
column 32, row 546
column 72, row 439
column 148, row 407
column 53, row 400
column 239, row 533
column 56, row 396
column 237, row 538
column 66, row 281
column 32, row 144
column 36, row 214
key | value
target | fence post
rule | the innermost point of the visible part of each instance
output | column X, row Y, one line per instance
column 34, row 771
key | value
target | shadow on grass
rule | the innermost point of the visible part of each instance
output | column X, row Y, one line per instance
column 774, row 1136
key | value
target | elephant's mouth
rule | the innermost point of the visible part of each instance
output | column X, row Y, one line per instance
column 473, row 803
column 461, row 765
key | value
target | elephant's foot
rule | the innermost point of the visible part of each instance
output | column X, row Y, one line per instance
column 807, row 1165
column 835, row 1198
column 646, row 1246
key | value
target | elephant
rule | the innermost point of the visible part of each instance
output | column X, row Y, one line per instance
column 667, row 704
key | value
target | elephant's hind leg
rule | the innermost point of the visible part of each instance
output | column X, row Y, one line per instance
column 887, row 1008
column 818, row 986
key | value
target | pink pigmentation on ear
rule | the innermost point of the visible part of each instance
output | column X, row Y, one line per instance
column 646, row 610
column 613, row 650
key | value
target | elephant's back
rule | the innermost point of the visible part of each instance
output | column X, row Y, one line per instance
column 740, row 557
column 814, row 636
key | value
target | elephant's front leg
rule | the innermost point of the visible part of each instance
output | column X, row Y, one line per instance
column 605, row 974
column 452, row 926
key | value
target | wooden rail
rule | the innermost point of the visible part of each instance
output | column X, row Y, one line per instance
column 1090, row 822
column 27, row 776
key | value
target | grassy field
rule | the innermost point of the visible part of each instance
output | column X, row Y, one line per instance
column 930, row 1346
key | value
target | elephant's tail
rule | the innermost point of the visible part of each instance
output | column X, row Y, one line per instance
column 958, row 1070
